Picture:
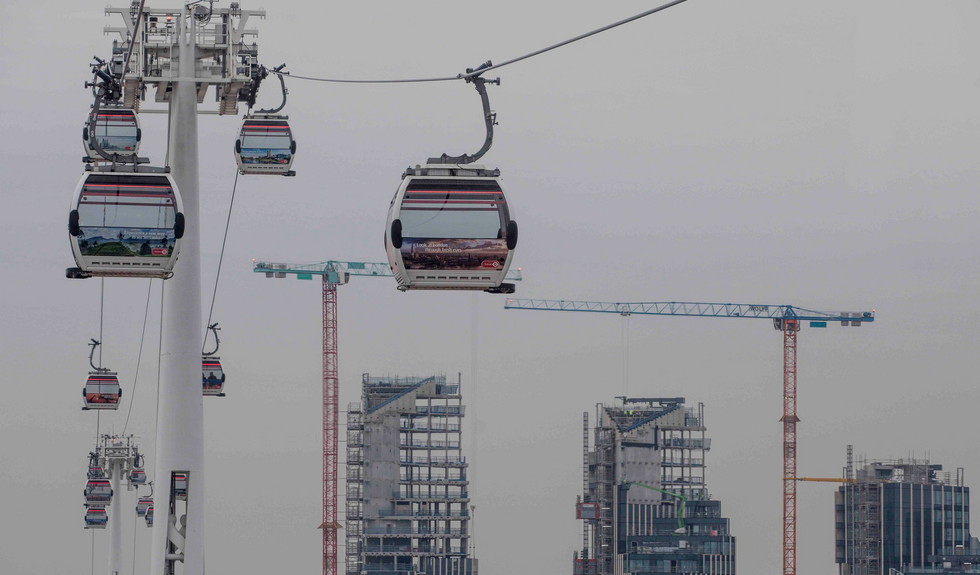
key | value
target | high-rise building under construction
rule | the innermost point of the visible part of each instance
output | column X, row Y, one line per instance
column 902, row 517
column 645, row 507
column 407, row 491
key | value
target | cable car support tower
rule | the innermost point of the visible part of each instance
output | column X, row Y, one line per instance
column 333, row 274
column 786, row 319
column 182, row 52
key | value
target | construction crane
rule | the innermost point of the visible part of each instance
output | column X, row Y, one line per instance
column 786, row 318
column 334, row 273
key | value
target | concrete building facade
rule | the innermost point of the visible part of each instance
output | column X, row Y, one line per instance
column 407, row 491
column 645, row 507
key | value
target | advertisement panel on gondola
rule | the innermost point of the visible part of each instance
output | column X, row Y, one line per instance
column 454, row 254
column 125, row 242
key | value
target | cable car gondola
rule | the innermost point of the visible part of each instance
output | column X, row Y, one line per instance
column 96, row 517
column 98, row 492
column 143, row 505
column 450, row 228
column 449, row 224
column 180, row 485
column 102, row 390
column 265, row 145
column 116, row 130
column 125, row 224
column 149, row 516
column 212, row 375
column 137, row 476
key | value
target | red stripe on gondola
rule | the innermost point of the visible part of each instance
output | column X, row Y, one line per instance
column 162, row 186
column 165, row 197
column 418, row 201
column 124, row 204
column 265, row 126
column 421, row 191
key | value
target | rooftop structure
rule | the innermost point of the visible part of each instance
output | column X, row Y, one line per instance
column 646, row 507
column 901, row 517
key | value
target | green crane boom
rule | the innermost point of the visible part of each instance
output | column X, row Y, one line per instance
column 681, row 528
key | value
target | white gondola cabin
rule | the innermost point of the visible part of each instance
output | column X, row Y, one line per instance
column 143, row 505
column 449, row 227
column 265, row 146
column 96, row 518
column 102, row 390
column 180, row 485
column 125, row 224
column 137, row 476
column 212, row 376
column 98, row 492
column 117, row 131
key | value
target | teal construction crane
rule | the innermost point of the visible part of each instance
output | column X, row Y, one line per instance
column 786, row 318
column 681, row 528
column 334, row 273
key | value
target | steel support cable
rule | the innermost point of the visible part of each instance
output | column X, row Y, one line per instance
column 468, row 75
column 139, row 357
column 156, row 422
column 132, row 41
column 221, row 257
column 575, row 39
column 101, row 316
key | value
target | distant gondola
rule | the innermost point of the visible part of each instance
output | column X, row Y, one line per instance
column 144, row 504
column 102, row 390
column 126, row 224
column 137, row 476
column 98, row 492
column 96, row 518
column 212, row 374
column 180, row 485
column 116, row 131
column 265, row 145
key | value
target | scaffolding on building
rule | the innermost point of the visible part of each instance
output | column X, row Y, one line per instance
column 657, row 443
column 407, row 490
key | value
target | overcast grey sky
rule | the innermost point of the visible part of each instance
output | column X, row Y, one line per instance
column 815, row 154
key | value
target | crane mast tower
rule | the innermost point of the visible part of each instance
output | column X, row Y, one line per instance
column 786, row 319
column 333, row 273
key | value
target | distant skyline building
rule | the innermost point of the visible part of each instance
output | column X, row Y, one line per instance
column 903, row 517
column 645, row 507
column 407, row 490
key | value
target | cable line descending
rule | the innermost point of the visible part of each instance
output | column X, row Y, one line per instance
column 472, row 73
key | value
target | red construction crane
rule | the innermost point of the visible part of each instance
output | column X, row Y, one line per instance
column 785, row 318
column 334, row 273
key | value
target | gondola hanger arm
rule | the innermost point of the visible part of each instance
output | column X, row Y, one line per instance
column 474, row 76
